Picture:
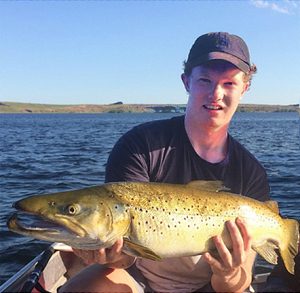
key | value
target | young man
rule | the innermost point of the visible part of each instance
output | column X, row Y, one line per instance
column 196, row 146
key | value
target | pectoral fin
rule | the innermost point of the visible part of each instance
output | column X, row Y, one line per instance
column 139, row 250
column 267, row 251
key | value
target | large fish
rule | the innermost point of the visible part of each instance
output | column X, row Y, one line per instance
column 157, row 220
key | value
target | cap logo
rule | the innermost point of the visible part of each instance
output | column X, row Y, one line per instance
column 221, row 42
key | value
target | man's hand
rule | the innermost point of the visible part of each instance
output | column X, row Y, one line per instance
column 112, row 257
column 232, row 272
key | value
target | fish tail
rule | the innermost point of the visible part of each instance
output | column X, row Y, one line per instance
column 289, row 248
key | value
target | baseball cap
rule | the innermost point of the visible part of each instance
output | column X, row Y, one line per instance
column 222, row 46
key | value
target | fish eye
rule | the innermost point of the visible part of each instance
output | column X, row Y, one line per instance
column 73, row 209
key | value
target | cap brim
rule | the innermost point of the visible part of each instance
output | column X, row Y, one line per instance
column 222, row 56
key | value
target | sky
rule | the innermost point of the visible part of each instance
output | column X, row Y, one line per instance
column 101, row 52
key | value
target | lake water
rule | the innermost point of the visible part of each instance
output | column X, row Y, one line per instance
column 44, row 153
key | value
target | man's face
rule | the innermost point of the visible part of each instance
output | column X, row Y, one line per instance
column 215, row 90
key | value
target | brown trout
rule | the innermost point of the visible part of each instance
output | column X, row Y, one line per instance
column 157, row 220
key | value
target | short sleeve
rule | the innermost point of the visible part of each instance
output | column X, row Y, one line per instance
column 127, row 160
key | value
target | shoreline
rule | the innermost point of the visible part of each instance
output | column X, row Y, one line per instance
column 119, row 107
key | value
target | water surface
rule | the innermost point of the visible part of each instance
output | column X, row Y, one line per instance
column 44, row 153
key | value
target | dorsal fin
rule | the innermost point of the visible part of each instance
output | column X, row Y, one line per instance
column 273, row 205
column 214, row 186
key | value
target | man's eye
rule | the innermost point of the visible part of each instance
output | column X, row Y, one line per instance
column 204, row 80
column 229, row 83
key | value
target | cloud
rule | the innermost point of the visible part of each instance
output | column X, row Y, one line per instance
column 283, row 6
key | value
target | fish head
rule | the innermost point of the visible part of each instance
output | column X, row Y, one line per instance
column 87, row 218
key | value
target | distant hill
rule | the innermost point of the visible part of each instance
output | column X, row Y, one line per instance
column 119, row 107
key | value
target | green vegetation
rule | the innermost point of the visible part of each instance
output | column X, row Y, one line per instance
column 119, row 107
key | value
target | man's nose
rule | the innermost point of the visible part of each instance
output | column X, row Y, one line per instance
column 217, row 93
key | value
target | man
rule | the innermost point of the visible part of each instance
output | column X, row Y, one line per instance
column 196, row 146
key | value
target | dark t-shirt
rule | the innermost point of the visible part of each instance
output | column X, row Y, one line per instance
column 160, row 151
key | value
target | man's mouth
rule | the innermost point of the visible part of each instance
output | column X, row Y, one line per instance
column 212, row 107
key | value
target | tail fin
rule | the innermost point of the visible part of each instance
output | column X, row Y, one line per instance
column 289, row 247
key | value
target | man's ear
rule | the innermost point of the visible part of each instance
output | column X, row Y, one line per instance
column 247, row 86
column 185, row 81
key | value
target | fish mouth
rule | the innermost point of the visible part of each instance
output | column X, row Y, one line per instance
column 36, row 219
column 26, row 223
column 43, row 221
column 43, row 229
